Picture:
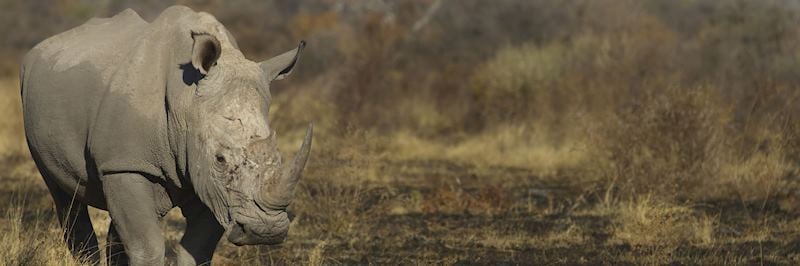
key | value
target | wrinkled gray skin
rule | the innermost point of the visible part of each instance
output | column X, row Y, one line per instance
column 137, row 118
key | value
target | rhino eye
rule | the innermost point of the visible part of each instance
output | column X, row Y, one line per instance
column 220, row 158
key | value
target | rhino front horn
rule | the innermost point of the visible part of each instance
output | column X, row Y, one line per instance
column 278, row 195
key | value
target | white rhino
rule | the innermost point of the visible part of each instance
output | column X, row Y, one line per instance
column 138, row 118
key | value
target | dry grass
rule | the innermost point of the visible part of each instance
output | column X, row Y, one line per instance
column 34, row 241
column 519, row 146
column 646, row 222
column 30, row 234
column 13, row 140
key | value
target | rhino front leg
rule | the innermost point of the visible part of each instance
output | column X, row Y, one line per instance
column 201, row 235
column 115, row 251
column 131, row 204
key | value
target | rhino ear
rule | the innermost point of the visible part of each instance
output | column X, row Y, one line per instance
column 205, row 51
column 279, row 67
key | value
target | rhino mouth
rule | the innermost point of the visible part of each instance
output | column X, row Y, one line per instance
column 240, row 235
column 237, row 235
column 270, row 231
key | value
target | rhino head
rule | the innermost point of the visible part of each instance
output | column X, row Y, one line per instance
column 233, row 160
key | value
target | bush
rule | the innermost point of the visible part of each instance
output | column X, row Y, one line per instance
column 669, row 142
column 518, row 84
column 685, row 143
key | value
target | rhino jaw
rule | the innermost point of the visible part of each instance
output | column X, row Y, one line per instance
column 277, row 195
column 241, row 235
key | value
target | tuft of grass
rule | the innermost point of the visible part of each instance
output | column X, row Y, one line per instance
column 316, row 257
column 650, row 222
column 32, row 241
column 656, row 228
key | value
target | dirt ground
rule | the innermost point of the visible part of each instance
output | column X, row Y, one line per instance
column 438, row 212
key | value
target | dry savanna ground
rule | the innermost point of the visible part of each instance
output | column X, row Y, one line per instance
column 586, row 132
column 369, row 199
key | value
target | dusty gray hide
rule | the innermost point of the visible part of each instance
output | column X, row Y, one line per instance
column 138, row 118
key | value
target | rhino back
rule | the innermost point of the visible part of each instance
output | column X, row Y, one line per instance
column 75, row 87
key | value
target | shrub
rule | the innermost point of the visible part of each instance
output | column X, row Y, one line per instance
column 666, row 143
column 518, row 83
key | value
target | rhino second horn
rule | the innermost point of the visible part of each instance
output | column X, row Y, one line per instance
column 278, row 195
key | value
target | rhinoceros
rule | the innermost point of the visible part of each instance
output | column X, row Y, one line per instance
column 138, row 117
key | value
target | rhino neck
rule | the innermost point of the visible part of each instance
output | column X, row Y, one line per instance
column 176, row 25
column 184, row 145
column 178, row 102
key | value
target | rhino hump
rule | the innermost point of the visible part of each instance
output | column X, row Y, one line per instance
column 95, row 41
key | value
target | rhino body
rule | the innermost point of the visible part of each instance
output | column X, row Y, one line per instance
column 139, row 117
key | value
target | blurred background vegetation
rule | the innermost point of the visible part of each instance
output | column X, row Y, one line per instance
column 676, row 101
